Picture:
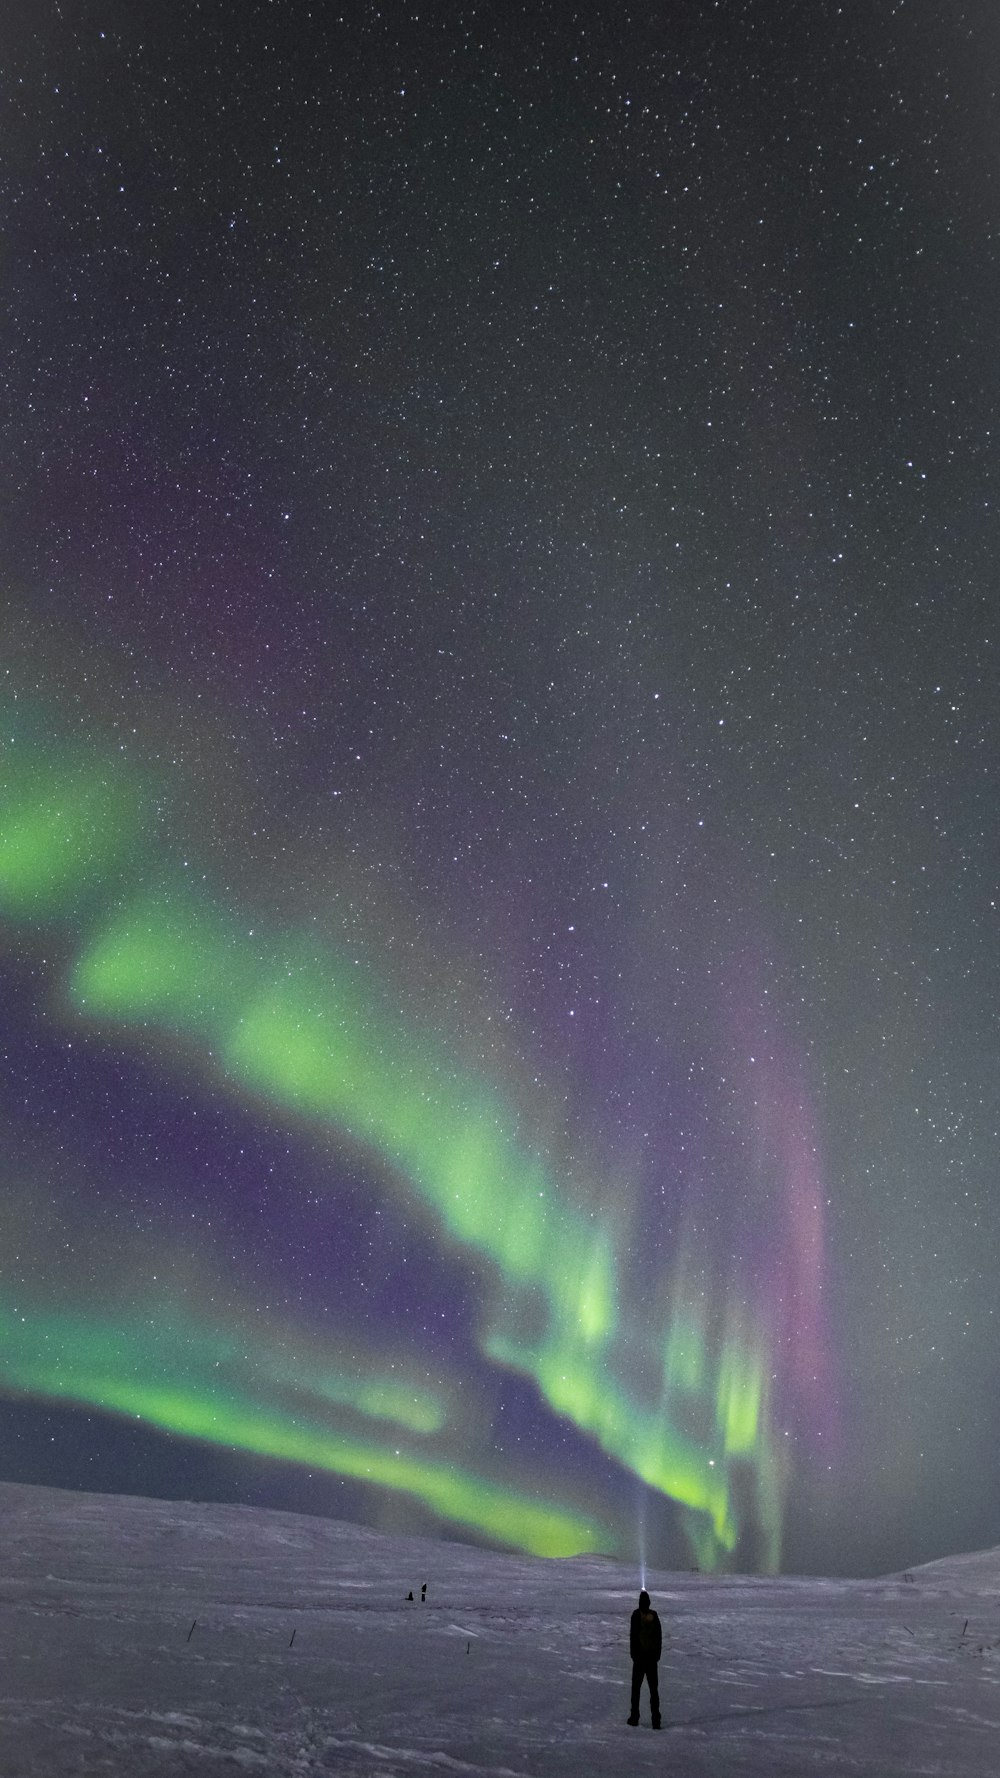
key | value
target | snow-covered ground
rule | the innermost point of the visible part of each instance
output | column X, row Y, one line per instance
column 305, row 1656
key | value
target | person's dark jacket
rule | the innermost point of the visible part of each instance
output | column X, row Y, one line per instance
column 645, row 1638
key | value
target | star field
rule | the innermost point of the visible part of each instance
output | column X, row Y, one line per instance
column 497, row 805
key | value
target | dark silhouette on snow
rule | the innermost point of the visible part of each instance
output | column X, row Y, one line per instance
column 423, row 1592
column 409, row 1595
column 645, row 1640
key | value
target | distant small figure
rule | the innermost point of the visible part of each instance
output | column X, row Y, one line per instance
column 645, row 1641
column 423, row 1592
column 410, row 1597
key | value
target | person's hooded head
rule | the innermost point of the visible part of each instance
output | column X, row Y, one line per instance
column 643, row 1600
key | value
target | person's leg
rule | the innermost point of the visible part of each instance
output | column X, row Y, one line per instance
column 637, row 1671
column 654, row 1692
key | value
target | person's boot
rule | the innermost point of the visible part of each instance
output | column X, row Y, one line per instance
column 633, row 1722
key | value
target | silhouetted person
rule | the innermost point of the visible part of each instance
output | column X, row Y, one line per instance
column 423, row 1592
column 410, row 1597
column 645, row 1640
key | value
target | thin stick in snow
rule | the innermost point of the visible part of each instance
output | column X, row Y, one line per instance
column 191, row 1631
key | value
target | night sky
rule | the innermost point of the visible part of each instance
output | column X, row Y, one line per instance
column 498, row 615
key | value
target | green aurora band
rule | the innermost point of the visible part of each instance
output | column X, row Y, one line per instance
column 157, row 1372
column 313, row 1036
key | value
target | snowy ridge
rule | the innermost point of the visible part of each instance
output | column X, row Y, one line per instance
column 149, row 1637
column 977, row 1571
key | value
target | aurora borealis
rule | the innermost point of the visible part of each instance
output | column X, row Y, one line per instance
column 497, row 739
column 293, row 1026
